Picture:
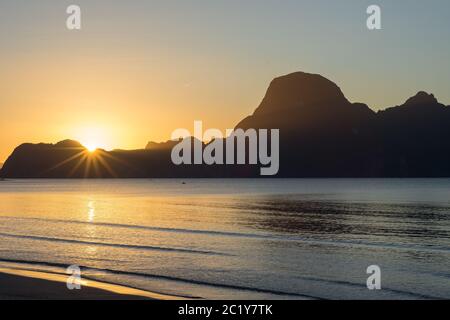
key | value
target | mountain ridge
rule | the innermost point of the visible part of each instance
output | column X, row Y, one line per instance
column 322, row 134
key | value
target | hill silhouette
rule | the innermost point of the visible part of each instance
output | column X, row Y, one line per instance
column 322, row 134
column 161, row 145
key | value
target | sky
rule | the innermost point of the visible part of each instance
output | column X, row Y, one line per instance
column 138, row 70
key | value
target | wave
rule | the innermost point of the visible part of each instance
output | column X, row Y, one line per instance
column 222, row 285
column 258, row 236
column 117, row 245
column 163, row 277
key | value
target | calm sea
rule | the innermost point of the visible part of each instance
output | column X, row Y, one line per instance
column 249, row 239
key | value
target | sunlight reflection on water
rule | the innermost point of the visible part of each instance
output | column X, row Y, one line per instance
column 238, row 238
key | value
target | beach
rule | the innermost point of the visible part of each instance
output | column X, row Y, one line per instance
column 23, row 284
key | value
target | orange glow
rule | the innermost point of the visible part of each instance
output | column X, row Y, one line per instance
column 93, row 138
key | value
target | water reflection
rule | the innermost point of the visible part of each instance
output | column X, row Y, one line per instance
column 91, row 211
column 91, row 229
column 303, row 237
column 387, row 222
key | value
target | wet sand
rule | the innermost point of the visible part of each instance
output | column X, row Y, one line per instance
column 25, row 284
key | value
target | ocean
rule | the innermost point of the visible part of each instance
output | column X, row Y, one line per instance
column 236, row 238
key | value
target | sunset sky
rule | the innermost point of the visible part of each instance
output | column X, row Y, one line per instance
column 140, row 69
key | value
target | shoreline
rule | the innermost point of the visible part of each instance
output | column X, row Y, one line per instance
column 23, row 284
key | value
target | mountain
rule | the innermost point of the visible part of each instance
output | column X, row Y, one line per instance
column 161, row 145
column 322, row 134
column 167, row 145
column 415, row 138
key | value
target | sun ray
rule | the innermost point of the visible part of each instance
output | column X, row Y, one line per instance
column 79, row 163
column 106, row 165
column 75, row 156
column 87, row 168
column 96, row 167
column 112, row 157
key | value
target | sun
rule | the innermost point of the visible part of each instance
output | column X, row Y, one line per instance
column 93, row 138
column 91, row 146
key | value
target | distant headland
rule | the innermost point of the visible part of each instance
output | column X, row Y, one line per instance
column 322, row 134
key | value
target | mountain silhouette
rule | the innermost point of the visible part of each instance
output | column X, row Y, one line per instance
column 167, row 145
column 322, row 134
column 161, row 145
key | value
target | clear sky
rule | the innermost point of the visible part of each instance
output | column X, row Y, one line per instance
column 140, row 69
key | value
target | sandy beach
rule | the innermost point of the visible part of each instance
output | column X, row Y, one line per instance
column 23, row 284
